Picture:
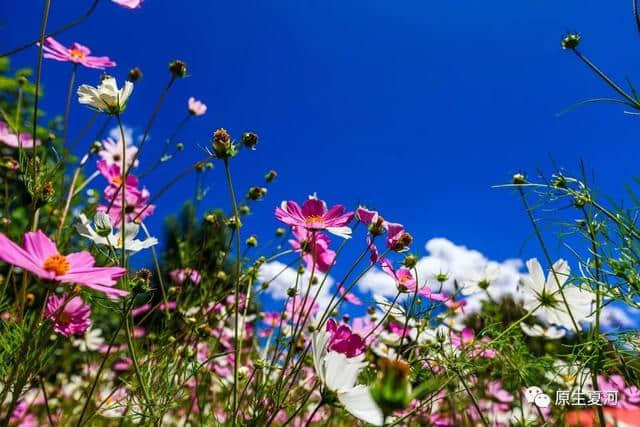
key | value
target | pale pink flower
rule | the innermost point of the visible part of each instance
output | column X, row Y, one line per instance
column 183, row 274
column 70, row 317
column 78, row 54
column 296, row 312
column 403, row 276
column 196, row 108
column 314, row 216
column 348, row 296
column 129, row 4
column 9, row 138
column 123, row 364
column 311, row 249
column 467, row 339
column 112, row 153
column 40, row 256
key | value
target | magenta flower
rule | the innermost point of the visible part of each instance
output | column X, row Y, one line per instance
column 111, row 172
column 196, row 108
column 311, row 250
column 40, row 256
column 343, row 340
column 314, row 216
column 129, row 4
column 397, row 238
column 181, row 275
column 78, row 54
column 69, row 317
column 9, row 138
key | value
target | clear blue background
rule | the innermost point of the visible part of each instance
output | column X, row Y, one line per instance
column 414, row 107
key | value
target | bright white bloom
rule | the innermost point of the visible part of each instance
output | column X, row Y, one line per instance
column 106, row 98
column 543, row 298
column 111, row 237
column 550, row 333
column 570, row 376
column 481, row 282
column 339, row 374
column 90, row 341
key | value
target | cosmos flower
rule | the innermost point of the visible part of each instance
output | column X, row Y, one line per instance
column 311, row 250
column 9, row 138
column 129, row 4
column 339, row 373
column 543, row 297
column 70, row 317
column 570, row 375
column 40, row 256
column 196, row 108
column 344, row 340
column 298, row 309
column 113, row 238
column 550, row 333
column 111, row 153
column 481, row 282
column 90, row 341
column 136, row 205
column 183, row 274
column 314, row 216
column 107, row 97
column 77, row 53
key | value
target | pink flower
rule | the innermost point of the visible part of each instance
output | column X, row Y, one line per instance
column 315, row 216
column 70, row 317
column 16, row 141
column 196, row 108
column 297, row 313
column 40, row 256
column 403, row 277
column 181, row 275
column 78, row 54
column 467, row 338
column 129, row 4
column 136, row 204
column 343, row 340
column 122, row 364
column 112, row 173
column 111, row 153
column 397, row 238
column 311, row 250
column 348, row 296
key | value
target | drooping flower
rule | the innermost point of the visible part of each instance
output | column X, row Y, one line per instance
column 69, row 316
column 113, row 238
column 41, row 257
column 183, row 274
column 339, row 373
column 9, row 138
column 196, row 108
column 314, row 216
column 372, row 219
column 398, row 239
column 129, row 4
column 77, row 53
column 106, row 98
column 543, row 298
column 313, row 249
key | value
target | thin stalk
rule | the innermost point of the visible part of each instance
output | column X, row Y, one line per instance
column 36, row 98
column 67, row 107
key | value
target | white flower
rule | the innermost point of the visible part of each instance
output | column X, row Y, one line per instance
column 339, row 374
column 110, row 237
column 481, row 282
column 570, row 376
column 106, row 98
column 550, row 333
column 90, row 341
column 543, row 297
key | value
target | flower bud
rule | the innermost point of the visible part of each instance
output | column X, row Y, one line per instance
column 410, row 261
column 209, row 166
column 256, row 193
column 180, row 146
column 135, row 74
column 280, row 232
column 252, row 241
column 199, row 167
column 178, row 68
column 22, row 80
column 222, row 144
column 250, row 140
column 518, row 179
column 244, row 210
column 442, row 277
column 103, row 224
column 392, row 390
column 270, row 176
column 571, row 41
column 291, row 292
column 234, row 223
column 221, row 275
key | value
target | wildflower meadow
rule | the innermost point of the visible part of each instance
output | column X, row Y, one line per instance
column 121, row 305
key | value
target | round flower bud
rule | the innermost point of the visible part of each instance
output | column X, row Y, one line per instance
column 256, row 193
column 244, row 210
column 392, row 389
column 270, row 176
column 442, row 277
column 252, row 241
column 135, row 74
column 180, row 146
column 22, row 80
column 234, row 223
column 571, row 41
column 250, row 140
column 410, row 261
column 291, row 292
column 209, row 166
column 102, row 221
column 178, row 68
column 199, row 167
column 518, row 179
column 221, row 275
column 280, row 232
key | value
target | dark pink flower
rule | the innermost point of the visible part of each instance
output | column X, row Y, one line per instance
column 398, row 239
column 315, row 216
column 40, row 256
column 9, row 138
column 78, row 54
column 129, row 4
column 196, row 108
column 311, row 249
column 343, row 340
column 69, row 317
column 183, row 274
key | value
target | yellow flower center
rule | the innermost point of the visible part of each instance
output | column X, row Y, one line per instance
column 117, row 180
column 77, row 54
column 57, row 264
column 313, row 220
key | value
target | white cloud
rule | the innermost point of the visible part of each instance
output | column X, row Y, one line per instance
column 613, row 317
column 286, row 278
column 459, row 263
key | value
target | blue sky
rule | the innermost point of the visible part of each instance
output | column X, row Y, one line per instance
column 416, row 108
